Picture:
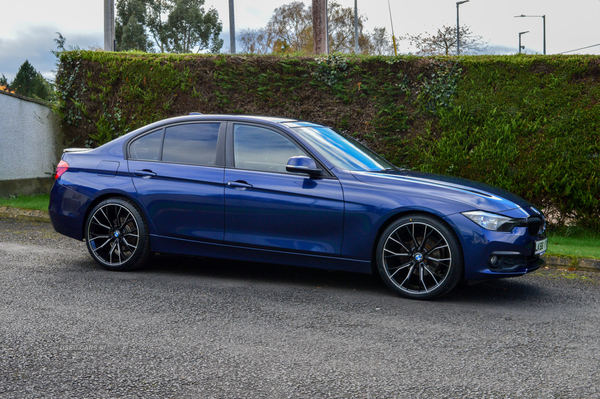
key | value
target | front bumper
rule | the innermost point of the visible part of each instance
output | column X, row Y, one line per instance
column 492, row 254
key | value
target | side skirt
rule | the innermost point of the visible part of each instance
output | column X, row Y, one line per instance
column 216, row 250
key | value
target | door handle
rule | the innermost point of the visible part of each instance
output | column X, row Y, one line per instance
column 146, row 173
column 239, row 185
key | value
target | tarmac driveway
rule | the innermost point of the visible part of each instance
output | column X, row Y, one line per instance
column 200, row 328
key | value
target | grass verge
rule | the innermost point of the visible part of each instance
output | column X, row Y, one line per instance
column 574, row 241
column 37, row 202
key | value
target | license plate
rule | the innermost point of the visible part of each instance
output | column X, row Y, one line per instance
column 541, row 246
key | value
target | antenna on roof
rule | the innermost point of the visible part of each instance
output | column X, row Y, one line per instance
column 195, row 113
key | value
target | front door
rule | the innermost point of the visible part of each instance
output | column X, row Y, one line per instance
column 267, row 207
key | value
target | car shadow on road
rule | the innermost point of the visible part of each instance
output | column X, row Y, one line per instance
column 498, row 291
column 494, row 291
column 255, row 272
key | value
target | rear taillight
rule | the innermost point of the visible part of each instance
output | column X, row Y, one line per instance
column 60, row 169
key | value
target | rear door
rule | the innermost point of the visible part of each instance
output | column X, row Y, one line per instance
column 178, row 174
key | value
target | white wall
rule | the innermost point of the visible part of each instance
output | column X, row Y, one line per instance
column 30, row 140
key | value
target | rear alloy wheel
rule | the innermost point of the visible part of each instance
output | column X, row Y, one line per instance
column 117, row 235
column 419, row 257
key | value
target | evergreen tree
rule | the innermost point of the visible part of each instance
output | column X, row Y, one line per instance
column 30, row 83
column 130, row 26
column 24, row 81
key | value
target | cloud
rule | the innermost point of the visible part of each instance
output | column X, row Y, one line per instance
column 498, row 49
column 36, row 44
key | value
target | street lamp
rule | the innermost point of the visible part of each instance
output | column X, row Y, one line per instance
column 458, row 3
column 521, row 47
column 544, row 25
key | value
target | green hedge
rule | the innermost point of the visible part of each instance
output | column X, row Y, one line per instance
column 529, row 124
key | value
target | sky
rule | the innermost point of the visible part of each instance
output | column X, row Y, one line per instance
column 28, row 27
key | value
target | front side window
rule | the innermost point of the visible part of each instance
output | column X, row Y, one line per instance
column 257, row 148
column 193, row 143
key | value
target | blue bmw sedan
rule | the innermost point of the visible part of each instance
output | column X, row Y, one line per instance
column 288, row 192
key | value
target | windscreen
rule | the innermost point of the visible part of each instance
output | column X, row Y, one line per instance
column 343, row 152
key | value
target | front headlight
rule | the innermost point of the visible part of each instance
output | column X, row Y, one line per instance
column 491, row 221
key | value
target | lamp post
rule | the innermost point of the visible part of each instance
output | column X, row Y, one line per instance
column 543, row 17
column 521, row 47
column 458, row 3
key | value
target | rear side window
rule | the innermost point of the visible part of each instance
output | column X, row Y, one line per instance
column 147, row 148
column 194, row 144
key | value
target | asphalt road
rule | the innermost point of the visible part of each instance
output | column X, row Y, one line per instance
column 198, row 328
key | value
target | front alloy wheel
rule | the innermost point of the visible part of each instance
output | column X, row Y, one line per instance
column 419, row 257
column 117, row 235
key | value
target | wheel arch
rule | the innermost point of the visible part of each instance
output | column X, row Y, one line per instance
column 112, row 194
column 417, row 212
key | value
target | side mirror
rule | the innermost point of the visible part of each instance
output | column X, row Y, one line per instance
column 303, row 164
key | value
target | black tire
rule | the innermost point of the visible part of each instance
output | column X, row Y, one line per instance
column 117, row 235
column 419, row 257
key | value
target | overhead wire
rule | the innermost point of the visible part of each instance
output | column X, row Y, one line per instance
column 577, row 49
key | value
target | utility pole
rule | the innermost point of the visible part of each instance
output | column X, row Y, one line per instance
column 231, row 27
column 320, row 33
column 109, row 25
column 355, row 27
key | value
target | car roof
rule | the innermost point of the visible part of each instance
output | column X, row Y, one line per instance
column 272, row 120
column 197, row 116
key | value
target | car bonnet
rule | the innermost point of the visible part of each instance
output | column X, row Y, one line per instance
column 473, row 195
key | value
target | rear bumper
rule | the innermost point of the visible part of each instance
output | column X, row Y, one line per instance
column 67, row 211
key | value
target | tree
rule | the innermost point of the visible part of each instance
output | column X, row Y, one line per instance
column 157, row 12
column 381, row 42
column 190, row 27
column 444, row 42
column 4, row 85
column 291, row 26
column 256, row 41
column 179, row 26
column 341, row 30
column 30, row 83
column 130, row 26
column 290, row 30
